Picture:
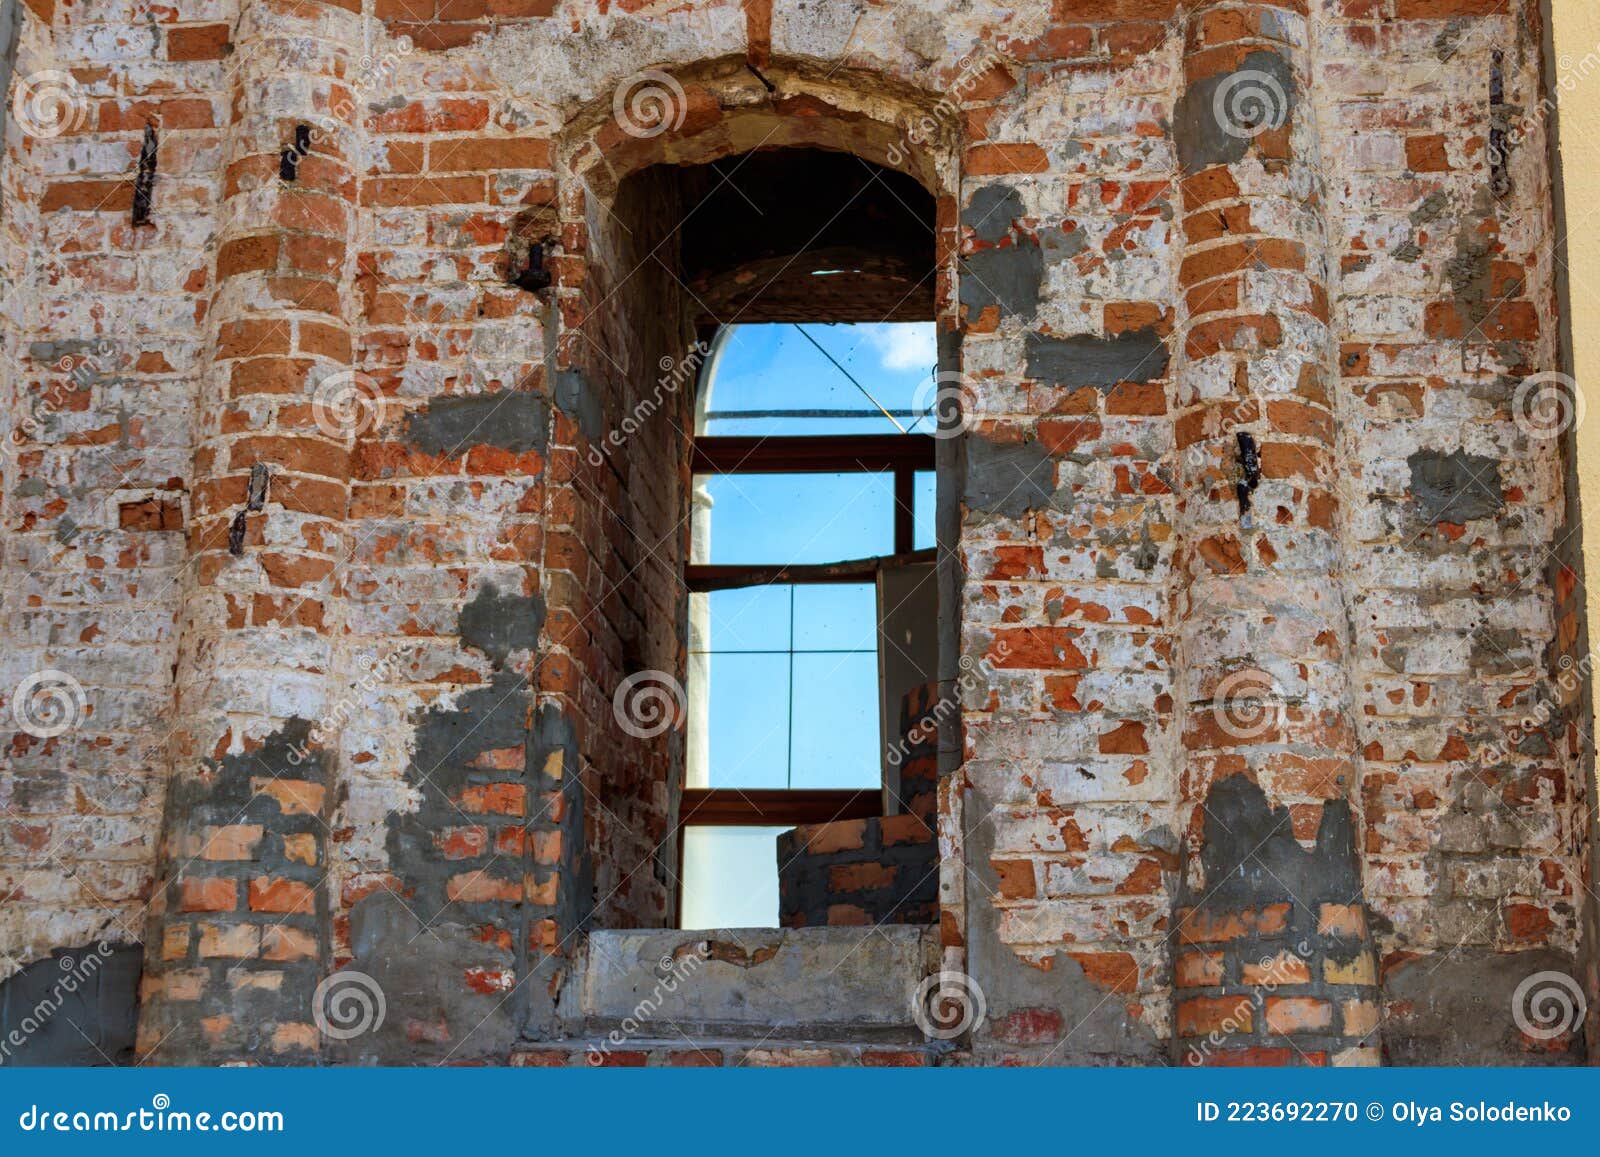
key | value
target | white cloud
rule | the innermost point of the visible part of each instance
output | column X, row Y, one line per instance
column 905, row 346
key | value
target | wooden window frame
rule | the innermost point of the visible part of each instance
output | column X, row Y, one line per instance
column 904, row 456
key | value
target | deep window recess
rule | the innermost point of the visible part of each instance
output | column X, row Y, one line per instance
column 813, row 471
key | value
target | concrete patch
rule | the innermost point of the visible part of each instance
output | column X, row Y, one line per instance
column 1202, row 136
column 1251, row 857
column 499, row 624
column 513, row 420
column 1455, row 487
column 1457, row 1008
column 791, row 981
column 1008, row 478
column 1138, row 355
column 78, row 1006
column 418, row 967
column 1007, row 278
column 578, row 401
column 991, row 211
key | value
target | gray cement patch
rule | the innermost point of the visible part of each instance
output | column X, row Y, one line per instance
column 1217, row 118
column 1456, row 487
column 575, row 398
column 1251, row 856
column 1008, row 478
column 1460, row 1007
column 513, row 420
column 1102, row 362
column 429, row 1011
column 991, row 212
column 78, row 1006
column 790, row 981
column 499, row 624
column 1008, row 278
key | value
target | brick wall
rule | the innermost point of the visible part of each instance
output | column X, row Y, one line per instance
column 375, row 731
column 631, row 353
column 881, row 870
column 878, row 870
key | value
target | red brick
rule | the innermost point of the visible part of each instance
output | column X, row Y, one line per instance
column 1291, row 1014
column 198, row 42
column 1225, row 1015
column 277, row 895
column 1000, row 159
column 208, row 894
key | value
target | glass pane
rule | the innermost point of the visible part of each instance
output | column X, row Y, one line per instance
column 753, row 619
column 783, row 519
column 772, row 379
column 730, row 877
column 836, row 732
column 836, row 617
column 924, row 507
column 747, row 738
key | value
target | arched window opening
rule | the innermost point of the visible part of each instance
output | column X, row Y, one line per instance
column 763, row 545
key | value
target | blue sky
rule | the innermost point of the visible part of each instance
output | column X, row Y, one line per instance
column 774, row 367
column 805, row 717
column 756, row 685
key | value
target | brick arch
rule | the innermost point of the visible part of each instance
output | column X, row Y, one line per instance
column 722, row 108
column 608, row 362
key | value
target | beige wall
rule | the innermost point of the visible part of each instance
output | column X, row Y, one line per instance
column 1576, row 30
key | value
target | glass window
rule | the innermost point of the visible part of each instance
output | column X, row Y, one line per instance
column 790, row 688
column 821, row 379
column 752, row 619
column 783, row 679
column 730, row 877
column 797, row 519
column 833, row 739
column 747, row 738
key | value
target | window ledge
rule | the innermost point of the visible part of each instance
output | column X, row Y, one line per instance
column 795, row 983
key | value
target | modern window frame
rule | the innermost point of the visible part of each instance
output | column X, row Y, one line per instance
column 903, row 455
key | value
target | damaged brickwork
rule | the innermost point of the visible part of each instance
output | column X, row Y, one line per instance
column 314, row 533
